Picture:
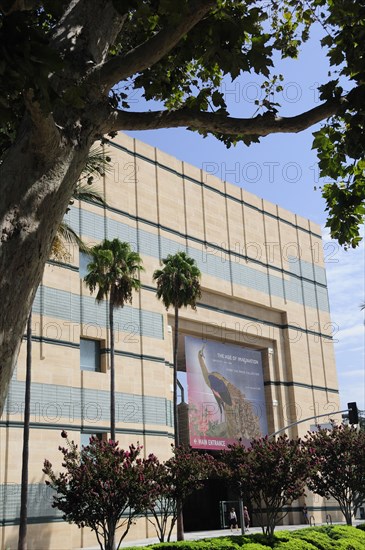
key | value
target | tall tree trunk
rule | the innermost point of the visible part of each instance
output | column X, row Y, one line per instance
column 112, row 370
column 179, row 522
column 176, row 343
column 36, row 199
column 22, row 541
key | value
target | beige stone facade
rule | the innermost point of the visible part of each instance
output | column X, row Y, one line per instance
column 264, row 287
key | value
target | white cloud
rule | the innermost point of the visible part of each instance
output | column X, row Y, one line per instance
column 354, row 333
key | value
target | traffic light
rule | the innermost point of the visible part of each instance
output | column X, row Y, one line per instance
column 353, row 413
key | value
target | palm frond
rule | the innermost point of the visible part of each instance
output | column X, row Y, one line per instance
column 59, row 250
column 114, row 270
column 66, row 233
column 178, row 283
column 85, row 192
column 97, row 163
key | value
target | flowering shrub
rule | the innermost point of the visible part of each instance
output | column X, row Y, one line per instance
column 173, row 481
column 102, row 487
column 270, row 474
column 337, row 461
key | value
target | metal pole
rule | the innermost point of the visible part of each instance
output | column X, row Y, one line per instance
column 305, row 420
column 242, row 519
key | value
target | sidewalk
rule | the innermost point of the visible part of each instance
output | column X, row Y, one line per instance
column 211, row 534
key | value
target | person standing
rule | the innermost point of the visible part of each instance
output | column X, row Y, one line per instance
column 305, row 514
column 233, row 519
column 246, row 517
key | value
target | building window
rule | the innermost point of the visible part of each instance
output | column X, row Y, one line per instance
column 90, row 355
column 84, row 260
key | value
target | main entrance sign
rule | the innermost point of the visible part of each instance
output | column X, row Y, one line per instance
column 225, row 393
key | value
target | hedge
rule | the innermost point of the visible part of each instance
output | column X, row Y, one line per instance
column 334, row 537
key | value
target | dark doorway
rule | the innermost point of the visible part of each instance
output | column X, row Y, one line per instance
column 202, row 510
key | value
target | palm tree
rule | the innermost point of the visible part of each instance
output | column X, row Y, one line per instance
column 178, row 285
column 96, row 164
column 114, row 269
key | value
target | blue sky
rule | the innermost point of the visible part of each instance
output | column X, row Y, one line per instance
column 283, row 169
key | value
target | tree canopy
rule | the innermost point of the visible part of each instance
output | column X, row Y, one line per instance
column 175, row 480
column 337, row 462
column 114, row 271
column 102, row 487
column 271, row 474
column 67, row 73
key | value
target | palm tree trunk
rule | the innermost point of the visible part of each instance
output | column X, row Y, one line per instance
column 22, row 540
column 176, row 341
column 180, row 522
column 112, row 370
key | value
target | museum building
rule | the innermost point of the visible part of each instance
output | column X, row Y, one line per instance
column 262, row 325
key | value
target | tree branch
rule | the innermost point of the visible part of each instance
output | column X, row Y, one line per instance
column 261, row 125
column 152, row 50
column 44, row 132
column 85, row 32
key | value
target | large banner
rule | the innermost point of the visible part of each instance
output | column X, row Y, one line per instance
column 225, row 393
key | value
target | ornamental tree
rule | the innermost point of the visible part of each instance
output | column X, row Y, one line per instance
column 337, row 461
column 174, row 480
column 270, row 474
column 101, row 487
column 69, row 71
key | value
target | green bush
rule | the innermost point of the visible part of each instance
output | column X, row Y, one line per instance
column 282, row 536
column 219, row 543
column 296, row 544
column 337, row 537
column 361, row 526
column 344, row 534
column 316, row 538
column 260, row 538
column 224, row 543
column 349, row 544
column 337, row 532
column 254, row 546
